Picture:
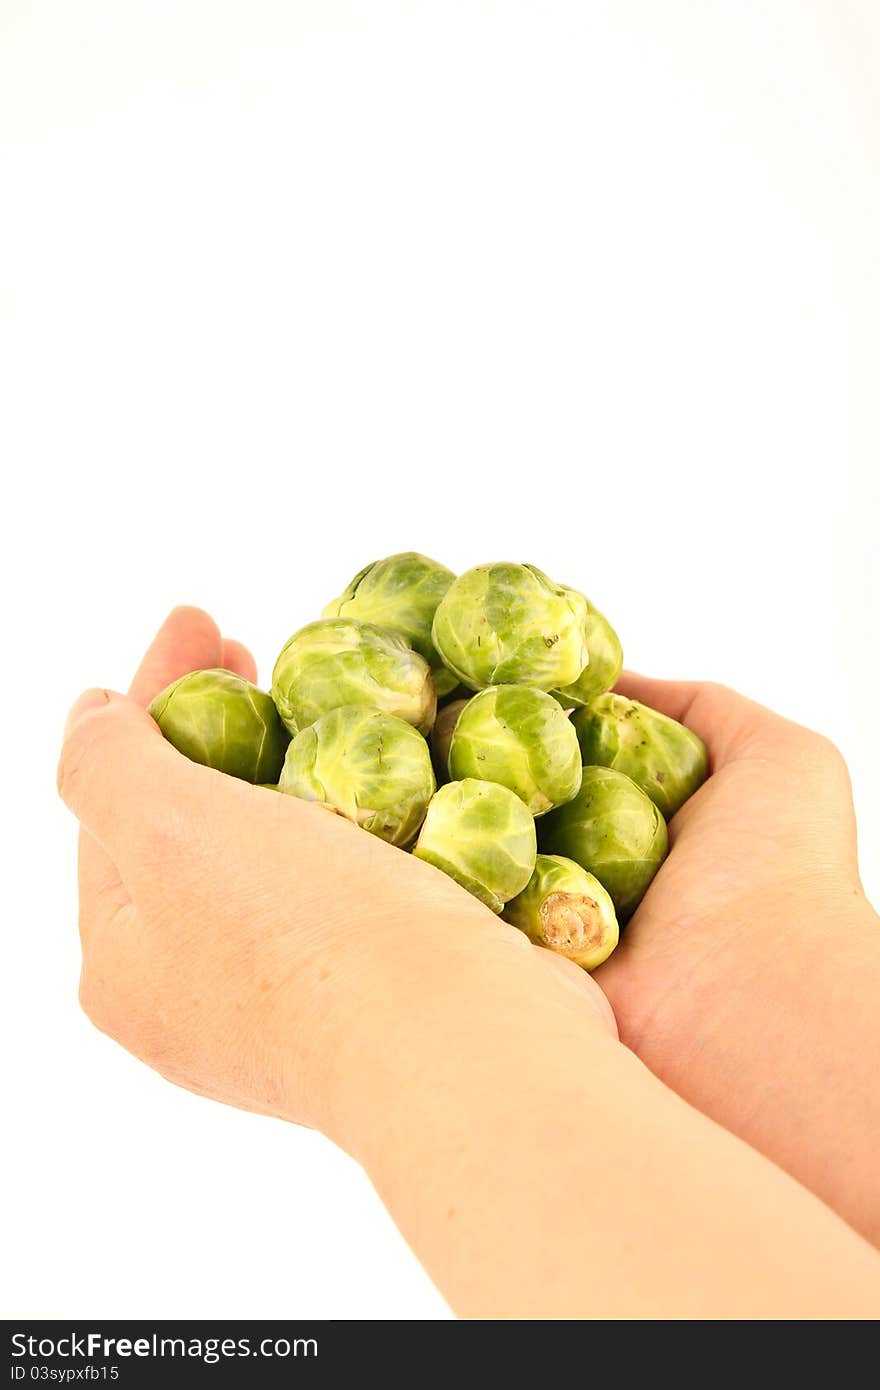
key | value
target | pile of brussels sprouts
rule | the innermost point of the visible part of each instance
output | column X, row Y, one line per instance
column 509, row 676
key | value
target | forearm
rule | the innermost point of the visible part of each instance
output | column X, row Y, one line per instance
column 779, row 1040
column 538, row 1169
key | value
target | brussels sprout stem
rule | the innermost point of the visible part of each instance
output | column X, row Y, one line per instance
column 572, row 922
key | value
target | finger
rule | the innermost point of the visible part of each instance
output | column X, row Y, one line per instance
column 730, row 725
column 670, row 697
column 188, row 640
column 126, row 785
column 582, row 984
column 237, row 658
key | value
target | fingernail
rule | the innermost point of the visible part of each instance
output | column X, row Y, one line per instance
column 89, row 700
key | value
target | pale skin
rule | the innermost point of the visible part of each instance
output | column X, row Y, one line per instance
column 687, row 1134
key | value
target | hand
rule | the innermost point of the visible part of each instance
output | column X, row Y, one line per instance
column 237, row 939
column 258, row 950
column 749, row 976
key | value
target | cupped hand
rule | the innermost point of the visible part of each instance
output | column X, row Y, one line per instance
column 261, row 951
column 764, row 848
column 243, row 942
column 747, row 980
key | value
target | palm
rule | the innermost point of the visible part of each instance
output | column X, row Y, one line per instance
column 736, row 847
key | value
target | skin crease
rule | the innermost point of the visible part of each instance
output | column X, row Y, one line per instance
column 229, row 941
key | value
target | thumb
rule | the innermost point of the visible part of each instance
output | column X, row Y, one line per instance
column 120, row 777
column 88, row 701
column 730, row 725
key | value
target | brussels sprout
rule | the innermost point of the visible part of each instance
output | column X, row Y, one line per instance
column 402, row 593
column 604, row 666
column 373, row 768
column 340, row 661
column 482, row 836
column 662, row 757
column 518, row 737
column 441, row 737
column 613, row 830
column 567, row 910
column 510, row 624
column 221, row 720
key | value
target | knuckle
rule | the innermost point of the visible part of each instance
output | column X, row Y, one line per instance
column 102, row 998
column 129, row 1026
column 80, row 746
column 85, row 994
column 156, row 1049
column 69, row 768
column 829, row 753
column 93, row 1002
column 715, row 696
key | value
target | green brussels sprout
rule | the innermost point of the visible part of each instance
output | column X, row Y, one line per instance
column 482, row 836
column 341, row 661
column 402, row 593
column 613, row 830
column 520, row 738
column 662, row 757
column 604, row 666
column 509, row 624
column 223, row 721
column 441, row 736
column 567, row 910
column 370, row 767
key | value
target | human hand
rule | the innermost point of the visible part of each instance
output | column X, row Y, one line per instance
column 241, row 941
column 260, row 951
column 748, row 977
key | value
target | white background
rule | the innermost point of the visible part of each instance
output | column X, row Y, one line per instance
column 286, row 287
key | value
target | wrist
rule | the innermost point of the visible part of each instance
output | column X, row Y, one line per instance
column 428, row 1013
